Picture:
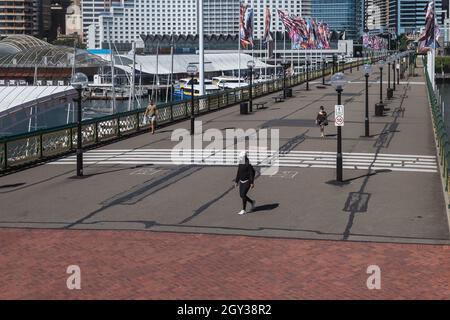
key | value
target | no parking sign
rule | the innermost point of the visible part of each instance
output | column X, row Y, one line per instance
column 339, row 115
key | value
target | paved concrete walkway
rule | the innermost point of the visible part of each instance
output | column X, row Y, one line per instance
column 393, row 191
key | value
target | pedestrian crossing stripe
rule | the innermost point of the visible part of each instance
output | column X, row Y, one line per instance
column 300, row 159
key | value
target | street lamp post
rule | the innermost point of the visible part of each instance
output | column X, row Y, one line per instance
column 389, row 74
column 379, row 107
column 399, row 64
column 357, row 61
column 381, row 64
column 284, row 64
column 394, row 61
column 308, row 62
column 367, row 71
column 338, row 81
column 192, row 72
column 79, row 82
column 323, row 71
column 250, row 65
column 334, row 64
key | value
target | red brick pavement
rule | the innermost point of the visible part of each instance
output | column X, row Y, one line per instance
column 151, row 265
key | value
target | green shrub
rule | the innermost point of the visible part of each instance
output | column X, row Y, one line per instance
column 442, row 63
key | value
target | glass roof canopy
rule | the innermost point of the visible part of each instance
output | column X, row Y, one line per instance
column 28, row 51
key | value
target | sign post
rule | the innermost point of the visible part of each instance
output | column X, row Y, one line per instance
column 339, row 115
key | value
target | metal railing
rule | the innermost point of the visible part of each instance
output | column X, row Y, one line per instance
column 21, row 150
column 440, row 132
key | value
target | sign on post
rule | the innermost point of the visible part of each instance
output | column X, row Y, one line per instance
column 339, row 115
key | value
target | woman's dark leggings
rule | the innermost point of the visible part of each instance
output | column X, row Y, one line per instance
column 243, row 190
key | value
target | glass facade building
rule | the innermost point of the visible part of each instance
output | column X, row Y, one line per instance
column 341, row 15
column 408, row 16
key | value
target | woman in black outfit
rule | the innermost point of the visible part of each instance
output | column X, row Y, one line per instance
column 322, row 121
column 245, row 178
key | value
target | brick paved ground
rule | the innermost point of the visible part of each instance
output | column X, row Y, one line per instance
column 153, row 265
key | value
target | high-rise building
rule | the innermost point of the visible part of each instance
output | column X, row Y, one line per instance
column 345, row 16
column 124, row 21
column 408, row 16
column 376, row 15
column 58, row 20
column 16, row 17
column 91, row 10
column 31, row 17
column 42, row 18
column 222, row 16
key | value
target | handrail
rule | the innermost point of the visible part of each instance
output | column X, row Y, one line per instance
column 440, row 132
column 25, row 149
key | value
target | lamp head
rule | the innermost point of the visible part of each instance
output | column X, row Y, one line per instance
column 367, row 69
column 338, row 81
column 191, row 69
column 79, row 81
column 250, row 64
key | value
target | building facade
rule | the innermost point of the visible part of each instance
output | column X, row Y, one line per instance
column 344, row 16
column 16, row 17
column 376, row 15
column 32, row 17
column 124, row 21
column 408, row 16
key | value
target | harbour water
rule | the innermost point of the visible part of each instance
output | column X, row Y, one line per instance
column 67, row 114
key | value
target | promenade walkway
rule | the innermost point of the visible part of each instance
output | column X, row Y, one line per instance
column 392, row 194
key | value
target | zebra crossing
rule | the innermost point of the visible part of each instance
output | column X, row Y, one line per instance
column 264, row 158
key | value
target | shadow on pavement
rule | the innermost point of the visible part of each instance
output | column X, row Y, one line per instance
column 12, row 185
column 266, row 207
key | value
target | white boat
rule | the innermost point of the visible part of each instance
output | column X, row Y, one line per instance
column 225, row 82
column 209, row 89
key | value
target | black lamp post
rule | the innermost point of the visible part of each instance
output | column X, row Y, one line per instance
column 381, row 64
column 323, row 70
column 79, row 82
column 192, row 72
column 389, row 74
column 394, row 62
column 250, row 65
column 334, row 63
column 338, row 81
column 285, row 64
column 357, row 61
column 367, row 71
column 308, row 62
column 398, row 67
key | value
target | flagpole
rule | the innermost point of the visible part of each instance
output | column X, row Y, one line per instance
column 433, row 49
column 201, row 50
column 239, row 60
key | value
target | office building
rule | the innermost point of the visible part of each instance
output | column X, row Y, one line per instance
column 376, row 15
column 408, row 16
column 124, row 21
column 344, row 16
column 16, row 17
column 30, row 17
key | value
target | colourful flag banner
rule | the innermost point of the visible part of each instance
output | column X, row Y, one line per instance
column 374, row 42
column 305, row 33
column 246, row 25
column 430, row 36
column 267, row 20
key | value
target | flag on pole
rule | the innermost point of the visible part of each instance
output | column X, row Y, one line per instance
column 267, row 19
column 246, row 25
column 430, row 36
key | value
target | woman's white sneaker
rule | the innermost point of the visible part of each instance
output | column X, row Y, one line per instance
column 241, row 212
